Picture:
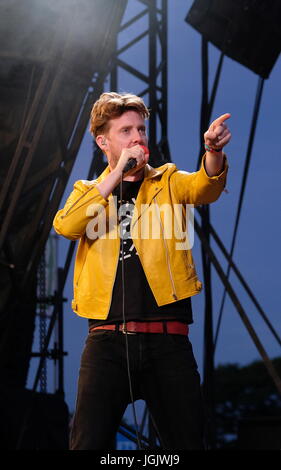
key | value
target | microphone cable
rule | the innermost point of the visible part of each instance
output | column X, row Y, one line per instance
column 125, row 325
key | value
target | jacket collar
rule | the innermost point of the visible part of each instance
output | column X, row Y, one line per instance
column 150, row 172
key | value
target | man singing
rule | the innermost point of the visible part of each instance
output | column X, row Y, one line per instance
column 134, row 281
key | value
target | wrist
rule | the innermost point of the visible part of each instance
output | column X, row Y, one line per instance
column 212, row 149
column 214, row 163
column 117, row 174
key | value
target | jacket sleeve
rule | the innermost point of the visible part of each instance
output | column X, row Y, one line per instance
column 84, row 203
column 198, row 188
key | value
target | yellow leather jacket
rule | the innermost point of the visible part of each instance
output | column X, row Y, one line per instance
column 168, row 267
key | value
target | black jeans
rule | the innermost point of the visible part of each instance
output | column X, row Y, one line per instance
column 164, row 374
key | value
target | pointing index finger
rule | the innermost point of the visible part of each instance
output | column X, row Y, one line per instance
column 221, row 119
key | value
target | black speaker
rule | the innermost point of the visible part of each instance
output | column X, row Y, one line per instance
column 262, row 433
column 247, row 31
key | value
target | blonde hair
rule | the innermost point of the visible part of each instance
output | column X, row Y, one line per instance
column 112, row 105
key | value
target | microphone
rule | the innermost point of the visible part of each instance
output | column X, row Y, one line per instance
column 132, row 162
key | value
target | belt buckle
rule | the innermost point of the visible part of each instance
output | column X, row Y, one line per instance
column 125, row 332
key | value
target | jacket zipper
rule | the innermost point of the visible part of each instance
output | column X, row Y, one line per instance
column 117, row 261
column 167, row 252
column 113, row 281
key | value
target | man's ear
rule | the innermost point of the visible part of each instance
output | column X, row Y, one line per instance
column 101, row 141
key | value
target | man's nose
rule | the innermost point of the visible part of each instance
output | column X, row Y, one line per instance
column 137, row 137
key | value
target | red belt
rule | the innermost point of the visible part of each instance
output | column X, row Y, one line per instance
column 131, row 327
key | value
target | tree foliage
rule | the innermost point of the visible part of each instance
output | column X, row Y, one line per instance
column 244, row 392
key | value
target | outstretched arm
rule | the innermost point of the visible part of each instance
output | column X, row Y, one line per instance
column 216, row 137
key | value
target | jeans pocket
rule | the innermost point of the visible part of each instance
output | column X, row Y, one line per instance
column 182, row 343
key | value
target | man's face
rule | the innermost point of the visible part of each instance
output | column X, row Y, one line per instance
column 124, row 132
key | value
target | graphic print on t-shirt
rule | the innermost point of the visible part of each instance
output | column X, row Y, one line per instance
column 125, row 216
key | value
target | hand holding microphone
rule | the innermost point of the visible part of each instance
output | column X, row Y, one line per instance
column 129, row 156
column 132, row 162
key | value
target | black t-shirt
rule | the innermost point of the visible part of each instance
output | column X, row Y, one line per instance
column 140, row 304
